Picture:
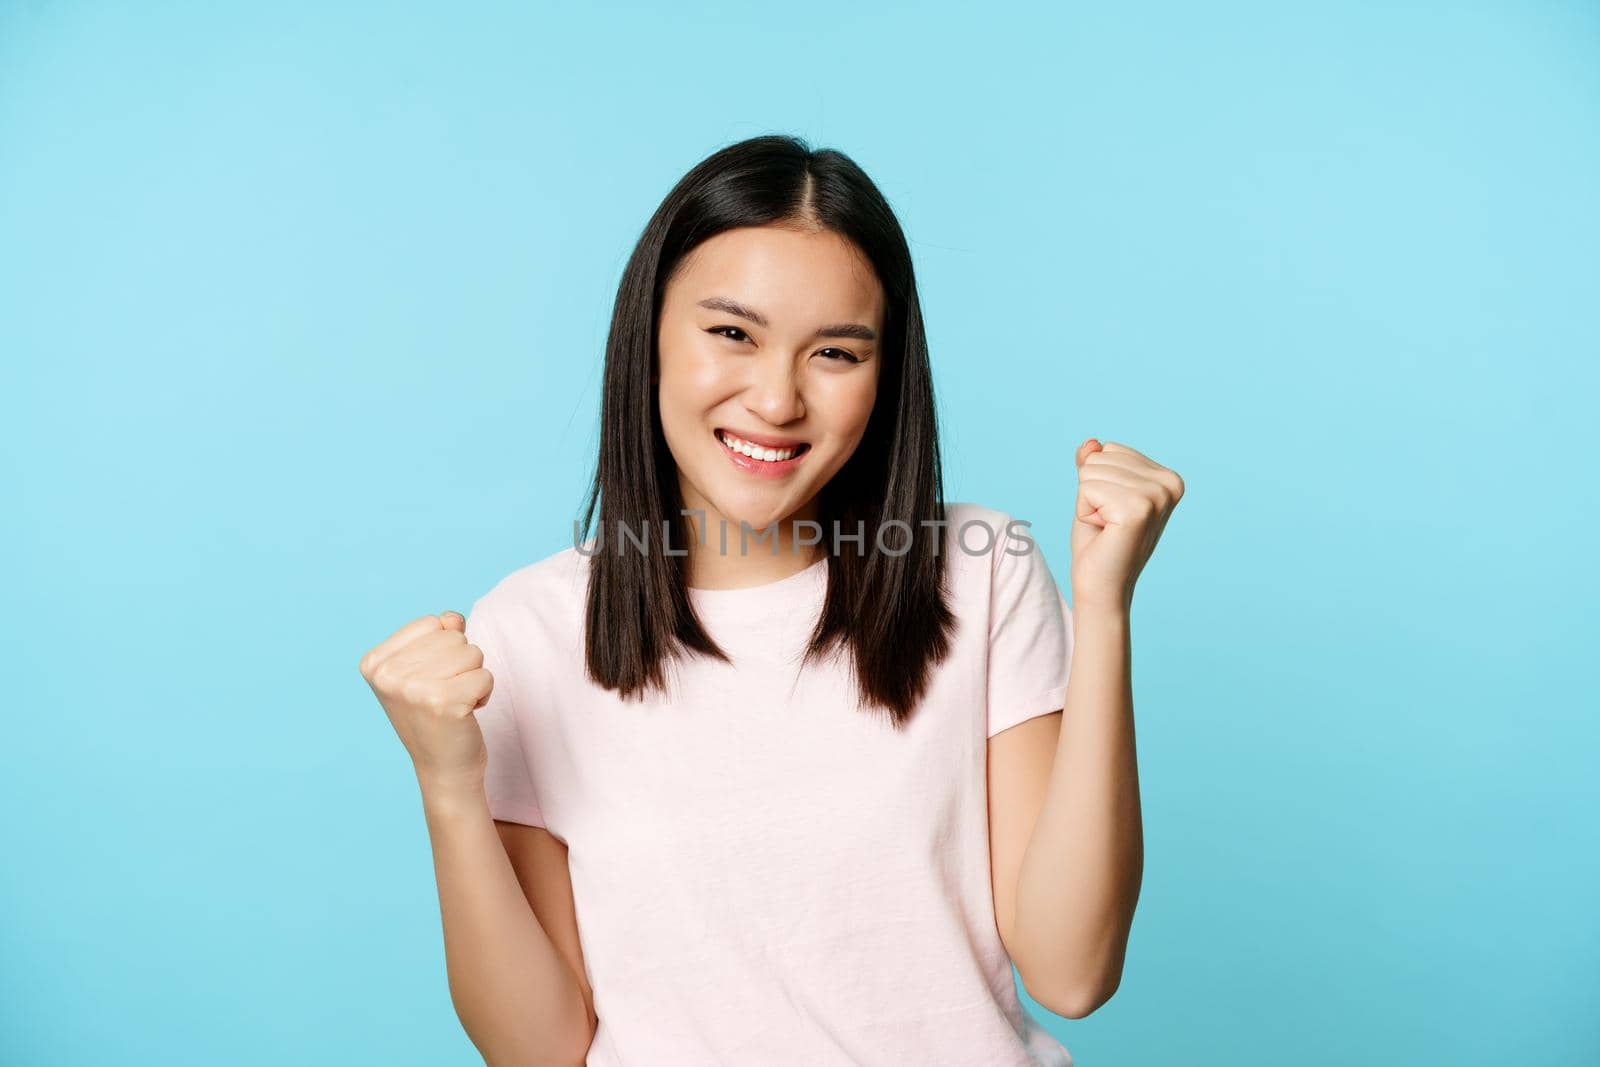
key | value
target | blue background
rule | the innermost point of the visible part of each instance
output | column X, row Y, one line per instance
column 302, row 314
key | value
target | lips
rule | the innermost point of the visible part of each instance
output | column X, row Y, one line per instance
column 764, row 440
column 758, row 464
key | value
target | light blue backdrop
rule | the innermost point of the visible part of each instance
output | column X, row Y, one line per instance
column 302, row 311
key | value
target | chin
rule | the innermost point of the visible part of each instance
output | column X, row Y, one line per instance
column 757, row 516
column 755, row 506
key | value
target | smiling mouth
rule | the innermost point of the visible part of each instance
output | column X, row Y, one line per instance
column 760, row 453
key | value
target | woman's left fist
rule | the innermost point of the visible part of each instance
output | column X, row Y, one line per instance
column 1124, row 501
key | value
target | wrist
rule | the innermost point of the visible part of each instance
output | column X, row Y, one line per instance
column 1101, row 606
column 448, row 796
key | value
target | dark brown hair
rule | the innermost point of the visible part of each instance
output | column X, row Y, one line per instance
column 888, row 610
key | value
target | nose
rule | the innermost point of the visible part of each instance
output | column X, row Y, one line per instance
column 774, row 393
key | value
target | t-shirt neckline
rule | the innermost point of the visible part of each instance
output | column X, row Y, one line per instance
column 782, row 587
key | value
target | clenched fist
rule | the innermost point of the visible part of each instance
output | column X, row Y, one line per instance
column 430, row 680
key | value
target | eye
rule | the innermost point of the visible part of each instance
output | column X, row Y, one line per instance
column 842, row 357
column 718, row 331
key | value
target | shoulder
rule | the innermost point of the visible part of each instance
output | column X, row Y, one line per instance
column 980, row 531
column 961, row 511
column 970, row 513
column 546, row 594
column 996, row 561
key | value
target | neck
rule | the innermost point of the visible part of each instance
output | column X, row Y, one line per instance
column 719, row 559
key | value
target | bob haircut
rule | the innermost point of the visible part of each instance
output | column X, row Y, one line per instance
column 888, row 611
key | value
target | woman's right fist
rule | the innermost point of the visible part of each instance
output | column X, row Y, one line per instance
column 430, row 680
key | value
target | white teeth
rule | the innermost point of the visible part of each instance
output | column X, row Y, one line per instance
column 767, row 455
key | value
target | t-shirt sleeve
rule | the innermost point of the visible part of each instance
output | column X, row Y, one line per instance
column 507, row 781
column 1030, row 633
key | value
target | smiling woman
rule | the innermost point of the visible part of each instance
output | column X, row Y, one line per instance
column 746, row 796
column 728, row 392
column 771, row 300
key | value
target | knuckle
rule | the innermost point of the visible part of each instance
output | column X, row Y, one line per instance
column 414, row 691
column 382, row 676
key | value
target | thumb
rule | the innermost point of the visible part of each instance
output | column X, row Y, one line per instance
column 453, row 620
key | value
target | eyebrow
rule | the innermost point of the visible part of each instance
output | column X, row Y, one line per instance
column 840, row 329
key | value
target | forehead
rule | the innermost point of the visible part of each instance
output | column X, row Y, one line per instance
column 789, row 275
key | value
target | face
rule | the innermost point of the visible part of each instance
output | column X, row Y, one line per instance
column 769, row 344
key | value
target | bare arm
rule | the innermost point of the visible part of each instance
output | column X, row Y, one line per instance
column 514, row 991
column 515, row 969
column 1066, row 833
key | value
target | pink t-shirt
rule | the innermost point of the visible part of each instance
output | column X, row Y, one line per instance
column 764, row 872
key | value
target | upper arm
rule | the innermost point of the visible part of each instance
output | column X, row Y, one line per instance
column 1020, row 760
column 540, row 862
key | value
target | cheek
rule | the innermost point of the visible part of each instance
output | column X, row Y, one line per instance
column 846, row 403
column 690, row 375
column 687, row 386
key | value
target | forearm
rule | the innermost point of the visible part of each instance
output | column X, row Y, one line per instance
column 516, row 997
column 1079, row 879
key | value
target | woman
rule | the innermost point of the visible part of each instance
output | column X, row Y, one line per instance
column 773, row 767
